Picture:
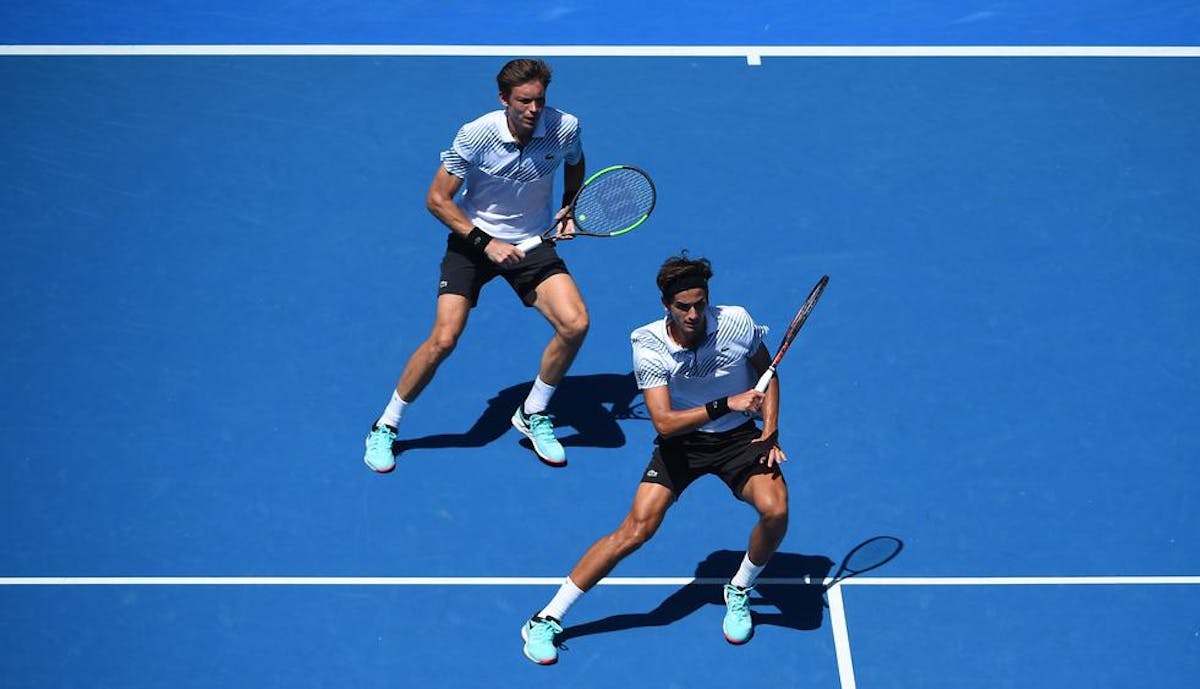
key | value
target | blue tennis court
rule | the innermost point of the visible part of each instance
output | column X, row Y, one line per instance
column 214, row 265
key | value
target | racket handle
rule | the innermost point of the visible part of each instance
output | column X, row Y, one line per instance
column 531, row 243
column 765, row 380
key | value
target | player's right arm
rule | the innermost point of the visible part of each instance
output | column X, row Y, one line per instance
column 440, row 202
column 668, row 422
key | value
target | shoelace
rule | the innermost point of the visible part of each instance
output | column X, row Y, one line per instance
column 738, row 601
column 544, row 630
column 380, row 439
column 541, row 426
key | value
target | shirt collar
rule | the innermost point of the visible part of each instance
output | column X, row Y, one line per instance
column 710, row 320
column 507, row 137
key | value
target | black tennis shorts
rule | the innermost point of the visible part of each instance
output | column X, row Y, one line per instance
column 679, row 460
column 465, row 270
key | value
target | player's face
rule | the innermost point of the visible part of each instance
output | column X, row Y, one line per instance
column 523, row 107
column 687, row 314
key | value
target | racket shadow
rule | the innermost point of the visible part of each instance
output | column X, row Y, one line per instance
column 591, row 405
column 797, row 606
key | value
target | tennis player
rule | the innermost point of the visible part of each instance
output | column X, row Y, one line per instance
column 504, row 163
column 696, row 368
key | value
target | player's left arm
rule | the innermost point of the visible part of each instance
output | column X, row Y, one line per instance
column 573, row 176
column 773, row 454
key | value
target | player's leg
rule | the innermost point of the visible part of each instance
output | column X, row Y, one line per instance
column 767, row 493
column 650, row 505
column 558, row 299
column 449, row 322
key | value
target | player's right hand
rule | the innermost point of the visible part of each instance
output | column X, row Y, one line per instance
column 749, row 401
column 502, row 253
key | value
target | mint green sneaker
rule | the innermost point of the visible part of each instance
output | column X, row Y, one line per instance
column 540, row 431
column 737, row 625
column 379, row 455
column 539, row 633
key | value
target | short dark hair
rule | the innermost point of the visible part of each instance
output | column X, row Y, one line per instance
column 682, row 270
column 522, row 71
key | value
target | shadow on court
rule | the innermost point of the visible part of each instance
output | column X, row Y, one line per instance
column 797, row 606
column 590, row 404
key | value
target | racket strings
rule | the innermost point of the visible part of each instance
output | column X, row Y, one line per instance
column 613, row 202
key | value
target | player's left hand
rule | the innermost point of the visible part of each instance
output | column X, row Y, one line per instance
column 771, row 453
column 566, row 226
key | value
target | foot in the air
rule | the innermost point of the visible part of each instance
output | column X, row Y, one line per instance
column 540, row 431
column 379, row 457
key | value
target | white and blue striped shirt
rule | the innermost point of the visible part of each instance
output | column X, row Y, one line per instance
column 507, row 189
column 719, row 367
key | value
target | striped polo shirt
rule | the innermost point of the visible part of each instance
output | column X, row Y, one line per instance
column 507, row 189
column 719, row 367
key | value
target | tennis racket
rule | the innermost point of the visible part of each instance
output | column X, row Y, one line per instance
column 792, row 331
column 611, row 202
column 872, row 553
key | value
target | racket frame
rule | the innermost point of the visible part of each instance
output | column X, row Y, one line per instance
column 533, row 242
column 792, row 331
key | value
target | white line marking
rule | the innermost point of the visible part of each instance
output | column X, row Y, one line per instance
column 749, row 53
column 555, row 581
column 841, row 637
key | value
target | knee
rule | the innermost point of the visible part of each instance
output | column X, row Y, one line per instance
column 575, row 328
column 441, row 343
column 773, row 511
column 633, row 534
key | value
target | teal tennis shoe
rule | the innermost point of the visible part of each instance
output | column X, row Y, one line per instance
column 539, row 634
column 737, row 625
column 378, row 456
column 540, row 431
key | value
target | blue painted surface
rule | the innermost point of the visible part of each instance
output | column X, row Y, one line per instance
column 212, row 269
column 612, row 22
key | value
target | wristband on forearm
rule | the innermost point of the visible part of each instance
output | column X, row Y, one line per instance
column 717, row 408
column 478, row 239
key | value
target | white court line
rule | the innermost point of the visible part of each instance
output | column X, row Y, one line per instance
column 837, row 612
column 841, row 638
column 753, row 54
column 555, row 581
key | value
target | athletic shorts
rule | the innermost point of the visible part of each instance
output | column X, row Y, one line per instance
column 465, row 271
column 679, row 460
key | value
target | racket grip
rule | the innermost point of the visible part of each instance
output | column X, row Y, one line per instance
column 765, row 380
column 531, row 243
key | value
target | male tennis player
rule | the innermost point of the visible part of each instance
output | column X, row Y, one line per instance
column 504, row 162
column 696, row 368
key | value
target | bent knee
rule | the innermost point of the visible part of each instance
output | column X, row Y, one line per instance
column 773, row 509
column 634, row 533
column 575, row 328
column 442, row 342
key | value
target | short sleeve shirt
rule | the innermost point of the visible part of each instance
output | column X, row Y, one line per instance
column 718, row 367
column 507, row 188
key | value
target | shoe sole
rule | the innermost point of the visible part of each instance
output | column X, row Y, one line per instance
column 738, row 643
column 525, row 638
column 380, row 471
column 548, row 462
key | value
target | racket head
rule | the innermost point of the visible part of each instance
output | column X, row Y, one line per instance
column 872, row 553
column 613, row 201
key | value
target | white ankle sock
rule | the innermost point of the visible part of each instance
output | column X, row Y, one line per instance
column 538, row 398
column 567, row 594
column 747, row 573
column 395, row 410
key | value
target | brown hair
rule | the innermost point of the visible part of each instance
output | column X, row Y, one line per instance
column 680, row 272
column 522, row 71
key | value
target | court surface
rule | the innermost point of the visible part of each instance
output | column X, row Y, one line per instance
column 213, row 266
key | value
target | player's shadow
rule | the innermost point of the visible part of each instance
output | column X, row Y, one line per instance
column 590, row 404
column 796, row 605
